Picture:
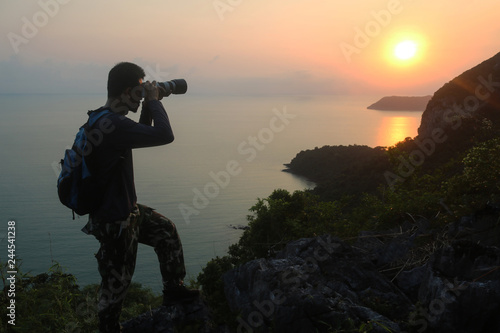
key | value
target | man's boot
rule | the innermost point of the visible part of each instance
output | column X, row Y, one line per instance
column 178, row 293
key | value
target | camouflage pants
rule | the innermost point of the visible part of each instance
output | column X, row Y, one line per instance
column 117, row 256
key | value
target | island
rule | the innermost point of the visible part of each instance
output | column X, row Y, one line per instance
column 401, row 103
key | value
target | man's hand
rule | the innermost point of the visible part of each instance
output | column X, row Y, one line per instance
column 153, row 92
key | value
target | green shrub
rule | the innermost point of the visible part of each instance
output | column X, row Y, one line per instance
column 274, row 222
column 479, row 182
column 210, row 279
column 283, row 217
column 53, row 302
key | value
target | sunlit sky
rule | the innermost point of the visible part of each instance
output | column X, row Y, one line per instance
column 245, row 47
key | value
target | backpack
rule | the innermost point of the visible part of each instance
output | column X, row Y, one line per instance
column 76, row 187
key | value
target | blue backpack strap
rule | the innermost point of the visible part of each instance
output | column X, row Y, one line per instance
column 94, row 116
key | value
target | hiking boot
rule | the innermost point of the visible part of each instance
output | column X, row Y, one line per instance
column 179, row 294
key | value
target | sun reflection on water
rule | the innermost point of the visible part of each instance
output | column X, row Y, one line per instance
column 395, row 129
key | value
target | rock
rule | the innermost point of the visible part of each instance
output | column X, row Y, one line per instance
column 389, row 250
column 482, row 227
column 194, row 317
column 315, row 284
column 321, row 284
column 409, row 281
column 460, row 291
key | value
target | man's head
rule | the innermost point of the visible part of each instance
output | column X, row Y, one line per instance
column 124, row 77
column 124, row 90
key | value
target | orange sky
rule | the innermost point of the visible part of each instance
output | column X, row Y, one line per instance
column 237, row 46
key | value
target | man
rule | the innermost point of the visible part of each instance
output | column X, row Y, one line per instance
column 117, row 221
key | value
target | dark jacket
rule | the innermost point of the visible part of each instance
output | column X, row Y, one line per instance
column 114, row 137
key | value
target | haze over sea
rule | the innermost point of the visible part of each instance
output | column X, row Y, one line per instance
column 253, row 135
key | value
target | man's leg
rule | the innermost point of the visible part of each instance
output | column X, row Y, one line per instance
column 116, row 262
column 160, row 232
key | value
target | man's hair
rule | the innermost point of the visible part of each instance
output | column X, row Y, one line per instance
column 124, row 75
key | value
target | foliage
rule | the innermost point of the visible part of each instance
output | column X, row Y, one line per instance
column 139, row 299
column 53, row 302
column 481, row 167
column 213, row 289
column 280, row 218
column 46, row 302
column 274, row 222
column 479, row 183
column 342, row 170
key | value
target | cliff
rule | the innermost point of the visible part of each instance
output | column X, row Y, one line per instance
column 473, row 94
column 401, row 103
column 323, row 284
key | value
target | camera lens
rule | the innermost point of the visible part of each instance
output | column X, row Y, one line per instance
column 177, row 86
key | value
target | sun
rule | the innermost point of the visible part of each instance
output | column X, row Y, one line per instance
column 406, row 50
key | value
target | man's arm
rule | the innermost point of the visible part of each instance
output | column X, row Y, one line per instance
column 160, row 92
column 145, row 118
column 129, row 134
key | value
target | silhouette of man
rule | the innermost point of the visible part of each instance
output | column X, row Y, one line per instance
column 117, row 220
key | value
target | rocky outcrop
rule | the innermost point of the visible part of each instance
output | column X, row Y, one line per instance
column 459, row 290
column 385, row 281
column 401, row 103
column 314, row 285
column 193, row 317
column 475, row 93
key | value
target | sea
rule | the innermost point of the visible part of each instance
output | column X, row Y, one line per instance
column 229, row 151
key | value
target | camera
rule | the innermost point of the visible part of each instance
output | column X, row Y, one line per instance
column 176, row 86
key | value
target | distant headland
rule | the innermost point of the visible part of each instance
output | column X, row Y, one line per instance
column 401, row 103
